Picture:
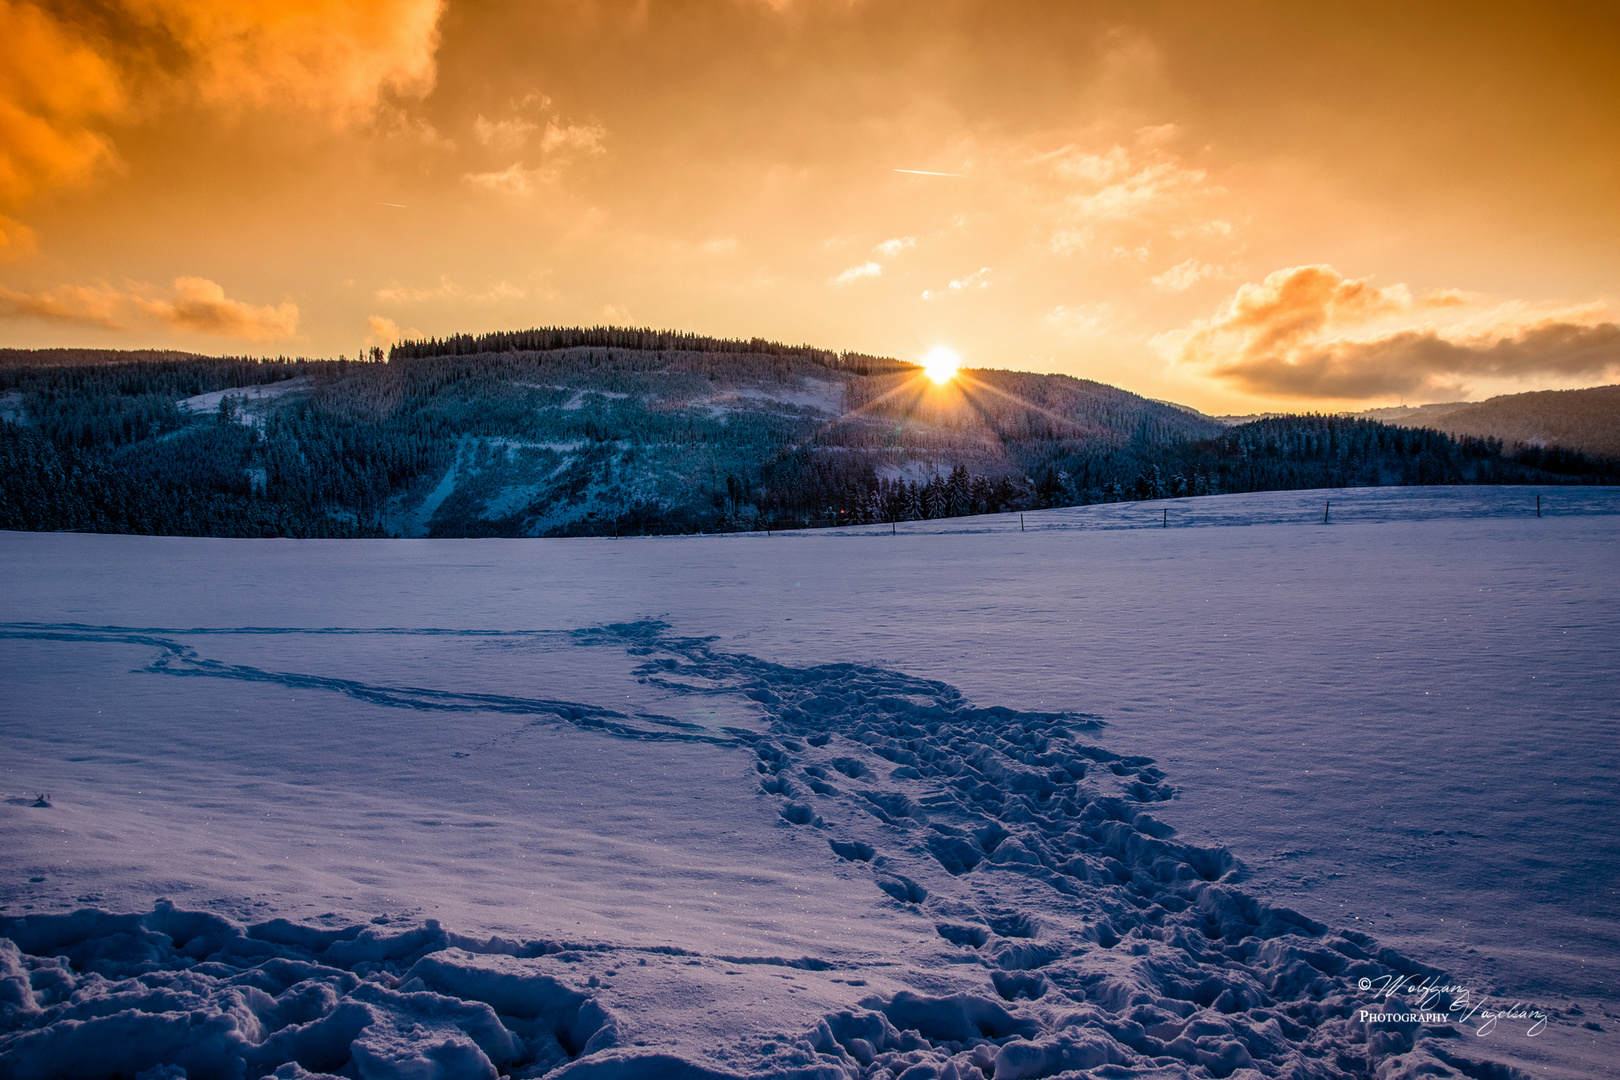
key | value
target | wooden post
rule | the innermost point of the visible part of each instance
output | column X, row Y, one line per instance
column 1020, row 522
column 1166, row 524
column 1325, row 510
column 1538, row 504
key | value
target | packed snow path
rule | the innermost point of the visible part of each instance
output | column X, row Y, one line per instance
column 743, row 865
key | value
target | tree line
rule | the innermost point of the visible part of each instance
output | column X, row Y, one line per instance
column 48, row 488
column 638, row 339
column 600, row 438
column 1277, row 454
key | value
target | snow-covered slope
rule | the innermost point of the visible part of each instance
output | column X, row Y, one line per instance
column 249, row 400
column 1096, row 795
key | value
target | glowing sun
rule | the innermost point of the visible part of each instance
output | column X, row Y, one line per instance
column 940, row 364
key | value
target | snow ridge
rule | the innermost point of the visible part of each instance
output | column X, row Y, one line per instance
column 1101, row 944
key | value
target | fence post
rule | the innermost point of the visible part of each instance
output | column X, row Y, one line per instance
column 1538, row 504
column 1020, row 522
column 1325, row 510
column 1166, row 524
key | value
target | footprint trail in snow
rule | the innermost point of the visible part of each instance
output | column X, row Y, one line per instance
column 1076, row 934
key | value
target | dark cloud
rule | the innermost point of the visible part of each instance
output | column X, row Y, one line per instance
column 1410, row 362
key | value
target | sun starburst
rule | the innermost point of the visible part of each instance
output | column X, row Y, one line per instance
column 940, row 364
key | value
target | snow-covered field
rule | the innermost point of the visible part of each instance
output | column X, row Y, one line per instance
column 1098, row 796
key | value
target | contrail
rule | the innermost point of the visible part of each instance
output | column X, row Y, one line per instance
column 398, row 204
column 925, row 172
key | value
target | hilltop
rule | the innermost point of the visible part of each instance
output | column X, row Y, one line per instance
column 570, row 431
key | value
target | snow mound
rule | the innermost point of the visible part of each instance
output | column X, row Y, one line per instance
column 173, row 993
column 92, row 994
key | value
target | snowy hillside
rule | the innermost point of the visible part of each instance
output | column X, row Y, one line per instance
column 1194, row 788
column 652, row 434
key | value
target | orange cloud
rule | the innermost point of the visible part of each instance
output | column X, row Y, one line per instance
column 197, row 306
column 1311, row 332
column 508, row 134
column 512, row 180
column 560, row 143
column 573, row 138
column 79, row 305
column 54, row 89
column 67, row 73
column 1183, row 276
column 1415, row 361
column 1118, row 195
column 201, row 307
column 856, row 273
column 382, row 330
column 335, row 57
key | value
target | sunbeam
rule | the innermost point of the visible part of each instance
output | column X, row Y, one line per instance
column 969, row 380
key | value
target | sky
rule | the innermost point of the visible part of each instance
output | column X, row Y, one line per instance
column 1237, row 206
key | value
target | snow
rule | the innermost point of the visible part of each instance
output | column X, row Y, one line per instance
column 818, row 395
column 581, row 398
column 968, row 800
column 921, row 472
column 1339, row 505
column 247, row 398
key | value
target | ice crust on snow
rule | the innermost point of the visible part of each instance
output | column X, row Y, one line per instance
column 1099, row 939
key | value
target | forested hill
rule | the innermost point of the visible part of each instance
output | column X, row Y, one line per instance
column 1584, row 420
column 592, row 431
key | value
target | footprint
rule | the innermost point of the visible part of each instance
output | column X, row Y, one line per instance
column 970, row 936
column 902, row 889
column 853, row 850
column 800, row 815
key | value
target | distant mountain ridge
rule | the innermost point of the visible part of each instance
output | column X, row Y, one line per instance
column 1587, row 421
column 20, row 358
